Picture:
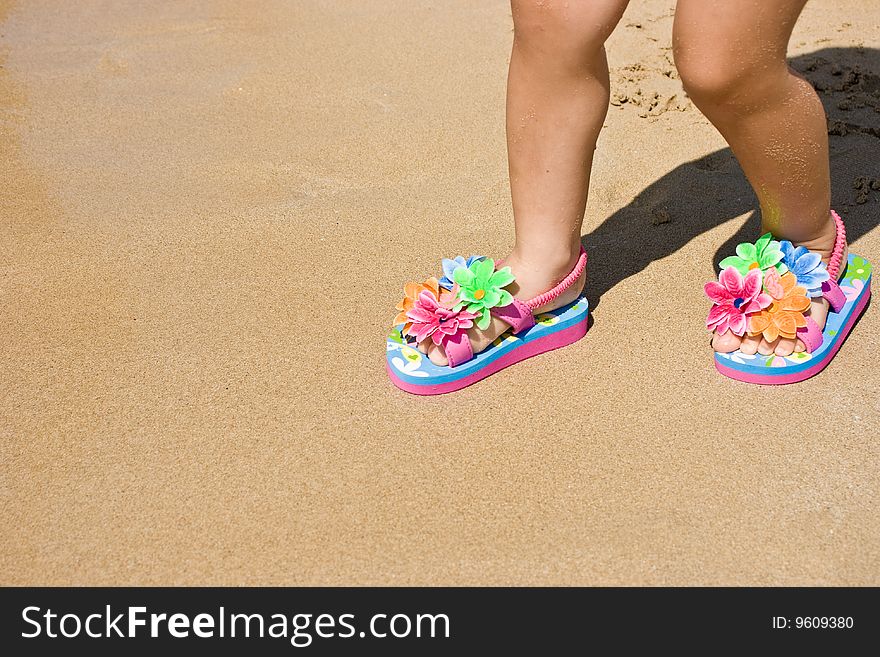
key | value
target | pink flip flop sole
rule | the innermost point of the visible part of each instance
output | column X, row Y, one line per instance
column 541, row 345
column 412, row 372
column 776, row 370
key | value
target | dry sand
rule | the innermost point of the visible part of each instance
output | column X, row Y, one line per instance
column 207, row 210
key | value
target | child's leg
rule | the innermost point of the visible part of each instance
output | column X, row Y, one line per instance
column 557, row 98
column 731, row 58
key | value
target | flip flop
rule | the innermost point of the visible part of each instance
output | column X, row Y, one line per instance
column 470, row 293
column 765, row 290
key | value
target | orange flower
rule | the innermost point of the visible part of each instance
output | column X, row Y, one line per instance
column 786, row 314
column 412, row 292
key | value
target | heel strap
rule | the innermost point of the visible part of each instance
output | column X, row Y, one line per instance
column 839, row 245
column 567, row 282
column 520, row 314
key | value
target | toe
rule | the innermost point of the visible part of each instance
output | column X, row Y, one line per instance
column 785, row 346
column 436, row 355
column 725, row 342
column 766, row 348
column 750, row 344
column 423, row 346
column 800, row 347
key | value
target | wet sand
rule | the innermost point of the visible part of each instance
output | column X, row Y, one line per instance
column 208, row 210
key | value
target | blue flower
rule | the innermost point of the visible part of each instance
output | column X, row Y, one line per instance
column 807, row 266
column 450, row 265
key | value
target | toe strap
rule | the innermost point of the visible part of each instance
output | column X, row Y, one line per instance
column 810, row 335
column 835, row 296
column 458, row 349
column 517, row 314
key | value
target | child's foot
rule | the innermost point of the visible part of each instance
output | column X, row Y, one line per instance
column 532, row 279
column 728, row 341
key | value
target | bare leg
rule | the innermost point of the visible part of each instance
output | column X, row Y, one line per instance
column 557, row 98
column 731, row 58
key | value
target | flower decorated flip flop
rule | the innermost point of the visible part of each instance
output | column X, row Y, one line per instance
column 766, row 288
column 471, row 292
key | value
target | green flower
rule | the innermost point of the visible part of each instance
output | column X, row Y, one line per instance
column 480, row 288
column 763, row 254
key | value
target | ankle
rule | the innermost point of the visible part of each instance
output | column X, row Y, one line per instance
column 821, row 240
column 537, row 273
column 545, row 262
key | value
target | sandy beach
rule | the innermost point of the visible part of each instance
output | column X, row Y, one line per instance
column 207, row 213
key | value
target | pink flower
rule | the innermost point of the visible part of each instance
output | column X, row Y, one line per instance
column 735, row 297
column 432, row 319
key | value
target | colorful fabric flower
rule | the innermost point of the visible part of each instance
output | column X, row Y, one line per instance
column 734, row 298
column 449, row 297
column 431, row 319
column 481, row 288
column 785, row 315
column 411, row 293
column 807, row 267
column 451, row 264
column 763, row 254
